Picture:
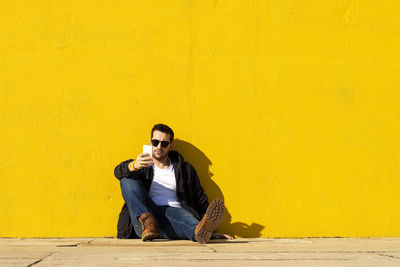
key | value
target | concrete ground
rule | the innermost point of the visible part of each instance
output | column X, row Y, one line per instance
column 238, row 252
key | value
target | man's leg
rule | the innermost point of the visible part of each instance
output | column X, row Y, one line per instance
column 182, row 222
column 210, row 221
column 140, row 207
column 186, row 226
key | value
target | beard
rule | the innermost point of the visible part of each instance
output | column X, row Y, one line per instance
column 162, row 155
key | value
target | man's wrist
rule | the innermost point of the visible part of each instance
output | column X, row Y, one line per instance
column 131, row 166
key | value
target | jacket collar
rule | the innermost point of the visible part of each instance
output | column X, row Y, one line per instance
column 175, row 157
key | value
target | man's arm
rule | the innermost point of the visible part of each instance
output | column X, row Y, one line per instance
column 131, row 168
column 124, row 169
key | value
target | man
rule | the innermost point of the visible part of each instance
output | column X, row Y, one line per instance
column 163, row 196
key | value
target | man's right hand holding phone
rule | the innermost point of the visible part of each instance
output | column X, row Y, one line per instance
column 143, row 160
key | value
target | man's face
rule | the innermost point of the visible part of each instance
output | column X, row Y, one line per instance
column 160, row 152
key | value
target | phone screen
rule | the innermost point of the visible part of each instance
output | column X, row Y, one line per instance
column 147, row 149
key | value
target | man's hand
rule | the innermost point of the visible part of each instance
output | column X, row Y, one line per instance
column 221, row 236
column 143, row 160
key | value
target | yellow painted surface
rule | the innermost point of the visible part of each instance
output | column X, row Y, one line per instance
column 288, row 109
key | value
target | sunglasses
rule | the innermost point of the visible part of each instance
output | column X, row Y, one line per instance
column 155, row 143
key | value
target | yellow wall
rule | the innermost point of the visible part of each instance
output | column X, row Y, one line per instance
column 291, row 107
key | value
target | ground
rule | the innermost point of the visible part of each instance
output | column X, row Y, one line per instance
column 239, row 252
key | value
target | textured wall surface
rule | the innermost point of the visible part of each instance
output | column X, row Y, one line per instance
column 289, row 110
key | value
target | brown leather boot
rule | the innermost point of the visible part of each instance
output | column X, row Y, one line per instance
column 210, row 221
column 149, row 226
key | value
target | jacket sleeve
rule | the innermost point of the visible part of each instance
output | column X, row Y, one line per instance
column 200, row 197
column 122, row 170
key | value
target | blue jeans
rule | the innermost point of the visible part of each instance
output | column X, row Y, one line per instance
column 173, row 223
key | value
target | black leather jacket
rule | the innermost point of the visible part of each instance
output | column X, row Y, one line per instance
column 188, row 190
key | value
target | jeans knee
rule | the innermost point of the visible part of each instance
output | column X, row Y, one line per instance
column 130, row 182
column 130, row 185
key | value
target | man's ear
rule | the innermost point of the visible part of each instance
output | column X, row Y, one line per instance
column 172, row 145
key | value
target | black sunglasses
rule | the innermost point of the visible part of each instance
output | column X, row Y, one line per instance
column 155, row 143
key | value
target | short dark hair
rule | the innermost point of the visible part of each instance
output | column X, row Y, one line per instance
column 164, row 129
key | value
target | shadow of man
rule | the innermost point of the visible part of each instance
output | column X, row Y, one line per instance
column 202, row 164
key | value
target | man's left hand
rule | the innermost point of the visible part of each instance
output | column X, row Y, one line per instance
column 221, row 236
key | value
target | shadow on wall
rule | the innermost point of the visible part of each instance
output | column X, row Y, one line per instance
column 202, row 163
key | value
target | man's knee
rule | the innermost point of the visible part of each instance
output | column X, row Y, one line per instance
column 130, row 184
column 132, row 187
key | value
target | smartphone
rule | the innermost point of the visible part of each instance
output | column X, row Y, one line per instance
column 148, row 149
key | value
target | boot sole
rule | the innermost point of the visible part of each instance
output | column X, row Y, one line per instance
column 150, row 236
column 214, row 215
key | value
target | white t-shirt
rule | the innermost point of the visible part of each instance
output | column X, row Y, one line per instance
column 163, row 187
